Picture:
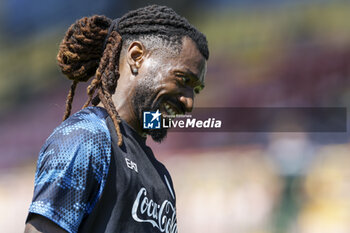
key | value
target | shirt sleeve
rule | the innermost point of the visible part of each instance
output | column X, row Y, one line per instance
column 71, row 172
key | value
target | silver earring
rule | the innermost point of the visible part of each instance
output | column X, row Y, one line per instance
column 134, row 70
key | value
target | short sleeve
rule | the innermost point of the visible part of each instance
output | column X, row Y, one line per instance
column 71, row 171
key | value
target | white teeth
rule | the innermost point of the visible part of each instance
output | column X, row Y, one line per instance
column 169, row 109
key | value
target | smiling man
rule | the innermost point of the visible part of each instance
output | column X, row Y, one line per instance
column 95, row 172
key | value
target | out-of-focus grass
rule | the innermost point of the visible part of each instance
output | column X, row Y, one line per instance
column 246, row 37
column 26, row 67
column 247, row 46
column 250, row 33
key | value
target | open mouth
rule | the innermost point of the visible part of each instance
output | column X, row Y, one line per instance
column 172, row 109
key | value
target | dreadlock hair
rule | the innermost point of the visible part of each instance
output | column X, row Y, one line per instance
column 92, row 47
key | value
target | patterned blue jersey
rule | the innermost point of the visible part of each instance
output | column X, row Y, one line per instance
column 72, row 169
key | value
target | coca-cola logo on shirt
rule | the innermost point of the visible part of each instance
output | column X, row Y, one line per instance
column 161, row 216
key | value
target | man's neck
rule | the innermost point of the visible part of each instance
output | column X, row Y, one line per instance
column 129, row 117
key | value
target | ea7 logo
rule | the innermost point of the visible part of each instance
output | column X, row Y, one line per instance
column 131, row 164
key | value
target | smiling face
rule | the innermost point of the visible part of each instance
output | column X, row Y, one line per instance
column 166, row 80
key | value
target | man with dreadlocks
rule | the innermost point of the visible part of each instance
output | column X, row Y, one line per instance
column 95, row 172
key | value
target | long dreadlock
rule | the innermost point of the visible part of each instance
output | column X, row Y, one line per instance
column 92, row 46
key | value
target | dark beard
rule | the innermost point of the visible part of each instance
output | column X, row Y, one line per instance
column 142, row 101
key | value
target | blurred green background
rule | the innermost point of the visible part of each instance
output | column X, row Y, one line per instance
column 263, row 53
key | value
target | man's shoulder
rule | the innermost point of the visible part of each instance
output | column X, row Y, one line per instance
column 84, row 131
column 72, row 169
column 80, row 140
column 89, row 121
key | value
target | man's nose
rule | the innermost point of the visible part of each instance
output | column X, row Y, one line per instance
column 187, row 100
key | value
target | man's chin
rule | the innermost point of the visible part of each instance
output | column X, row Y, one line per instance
column 158, row 135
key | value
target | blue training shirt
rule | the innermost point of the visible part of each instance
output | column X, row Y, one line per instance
column 72, row 169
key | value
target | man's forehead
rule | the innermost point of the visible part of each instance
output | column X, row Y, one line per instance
column 191, row 59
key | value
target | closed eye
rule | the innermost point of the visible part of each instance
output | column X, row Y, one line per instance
column 183, row 78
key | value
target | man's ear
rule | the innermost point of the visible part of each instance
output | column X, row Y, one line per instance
column 135, row 55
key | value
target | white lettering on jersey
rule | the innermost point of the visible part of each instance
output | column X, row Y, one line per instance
column 131, row 164
column 161, row 216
